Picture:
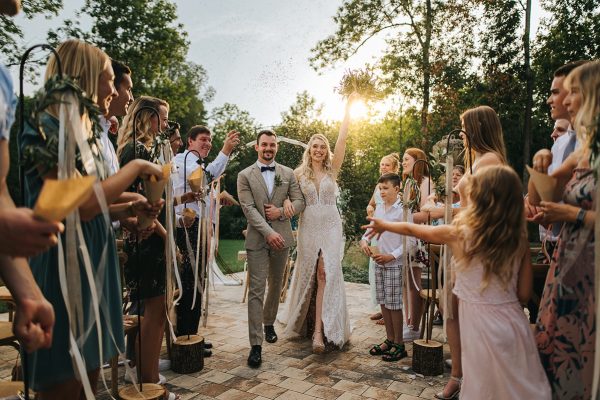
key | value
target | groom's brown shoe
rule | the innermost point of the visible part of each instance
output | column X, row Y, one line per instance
column 255, row 357
column 270, row 335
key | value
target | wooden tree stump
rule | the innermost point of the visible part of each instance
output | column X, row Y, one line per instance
column 150, row 391
column 428, row 357
column 187, row 354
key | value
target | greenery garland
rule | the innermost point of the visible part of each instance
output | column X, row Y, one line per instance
column 44, row 158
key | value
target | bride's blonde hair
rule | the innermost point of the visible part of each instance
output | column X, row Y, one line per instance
column 305, row 169
column 493, row 225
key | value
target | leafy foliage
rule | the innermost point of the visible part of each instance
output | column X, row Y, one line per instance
column 144, row 34
column 11, row 35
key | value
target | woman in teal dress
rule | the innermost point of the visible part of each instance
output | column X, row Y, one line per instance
column 51, row 371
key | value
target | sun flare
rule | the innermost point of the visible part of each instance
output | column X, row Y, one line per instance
column 359, row 110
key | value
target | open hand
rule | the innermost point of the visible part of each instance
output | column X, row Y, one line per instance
column 231, row 141
column 558, row 212
column 364, row 246
column 145, row 208
column 382, row 259
column 375, row 228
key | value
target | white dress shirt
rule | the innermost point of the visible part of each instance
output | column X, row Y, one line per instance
column 268, row 176
column 558, row 150
column 389, row 242
column 215, row 168
column 107, row 148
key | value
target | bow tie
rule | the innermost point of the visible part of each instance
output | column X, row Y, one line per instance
column 263, row 169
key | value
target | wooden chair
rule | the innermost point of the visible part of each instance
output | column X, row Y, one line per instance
column 428, row 294
column 540, row 271
column 7, row 298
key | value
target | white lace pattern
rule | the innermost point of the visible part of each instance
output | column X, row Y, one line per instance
column 320, row 228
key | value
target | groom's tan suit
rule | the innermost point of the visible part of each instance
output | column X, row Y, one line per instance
column 263, row 262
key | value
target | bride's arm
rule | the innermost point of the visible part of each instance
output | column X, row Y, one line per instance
column 340, row 144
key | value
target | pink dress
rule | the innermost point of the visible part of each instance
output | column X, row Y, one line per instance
column 499, row 356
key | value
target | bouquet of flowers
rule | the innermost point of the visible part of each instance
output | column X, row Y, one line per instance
column 359, row 81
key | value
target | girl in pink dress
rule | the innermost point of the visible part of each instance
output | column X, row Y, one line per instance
column 493, row 278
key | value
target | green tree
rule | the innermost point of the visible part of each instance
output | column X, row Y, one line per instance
column 423, row 37
column 11, row 35
column 145, row 35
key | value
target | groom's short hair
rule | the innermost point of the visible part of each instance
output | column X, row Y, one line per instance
column 394, row 179
column 267, row 132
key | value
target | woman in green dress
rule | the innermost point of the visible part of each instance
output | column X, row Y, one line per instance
column 51, row 371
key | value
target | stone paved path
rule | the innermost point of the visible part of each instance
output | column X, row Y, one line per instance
column 289, row 370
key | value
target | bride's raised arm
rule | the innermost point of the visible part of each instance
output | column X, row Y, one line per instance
column 340, row 145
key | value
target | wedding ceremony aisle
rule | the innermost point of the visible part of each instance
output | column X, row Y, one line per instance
column 289, row 370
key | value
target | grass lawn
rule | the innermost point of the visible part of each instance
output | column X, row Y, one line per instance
column 355, row 264
column 228, row 251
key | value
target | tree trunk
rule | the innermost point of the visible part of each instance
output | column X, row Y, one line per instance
column 426, row 73
column 529, row 93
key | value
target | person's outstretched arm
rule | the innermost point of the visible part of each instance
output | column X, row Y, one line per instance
column 340, row 145
column 443, row 234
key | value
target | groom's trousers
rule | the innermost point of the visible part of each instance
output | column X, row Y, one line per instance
column 264, row 265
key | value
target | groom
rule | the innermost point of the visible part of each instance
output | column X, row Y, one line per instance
column 262, row 188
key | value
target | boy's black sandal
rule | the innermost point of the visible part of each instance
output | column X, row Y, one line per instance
column 395, row 353
column 376, row 350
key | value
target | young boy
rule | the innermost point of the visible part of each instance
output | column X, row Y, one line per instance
column 388, row 270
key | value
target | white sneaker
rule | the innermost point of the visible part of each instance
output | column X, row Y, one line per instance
column 409, row 335
column 164, row 365
column 161, row 378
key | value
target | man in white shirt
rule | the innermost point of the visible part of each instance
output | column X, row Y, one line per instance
column 199, row 144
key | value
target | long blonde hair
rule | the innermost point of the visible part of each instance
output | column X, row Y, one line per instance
column 587, row 76
column 144, row 132
column 394, row 159
column 484, row 133
column 83, row 63
column 305, row 169
column 493, row 226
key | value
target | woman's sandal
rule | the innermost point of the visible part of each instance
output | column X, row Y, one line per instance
column 395, row 353
column 376, row 350
column 454, row 395
column 380, row 322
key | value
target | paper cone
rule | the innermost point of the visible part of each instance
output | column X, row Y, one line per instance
column 374, row 250
column 154, row 191
column 196, row 180
column 544, row 184
column 58, row 198
column 225, row 195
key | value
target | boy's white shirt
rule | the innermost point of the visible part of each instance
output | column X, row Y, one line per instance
column 389, row 242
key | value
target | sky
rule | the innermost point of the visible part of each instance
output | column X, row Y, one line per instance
column 255, row 51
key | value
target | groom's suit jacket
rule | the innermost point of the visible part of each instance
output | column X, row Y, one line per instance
column 253, row 195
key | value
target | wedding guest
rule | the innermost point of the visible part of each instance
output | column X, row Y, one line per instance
column 566, row 326
column 175, row 137
column 52, row 372
column 420, row 173
column 145, row 268
column 493, row 278
column 199, row 144
column 388, row 269
column 389, row 164
column 22, row 234
column 484, row 144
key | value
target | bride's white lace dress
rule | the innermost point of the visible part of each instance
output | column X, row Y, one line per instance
column 319, row 229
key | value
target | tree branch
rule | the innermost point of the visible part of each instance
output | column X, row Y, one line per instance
column 375, row 32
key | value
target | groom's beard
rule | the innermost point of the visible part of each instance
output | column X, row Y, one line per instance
column 268, row 156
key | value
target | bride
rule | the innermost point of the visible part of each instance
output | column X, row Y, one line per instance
column 318, row 277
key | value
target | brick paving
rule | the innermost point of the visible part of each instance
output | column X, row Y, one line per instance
column 289, row 370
